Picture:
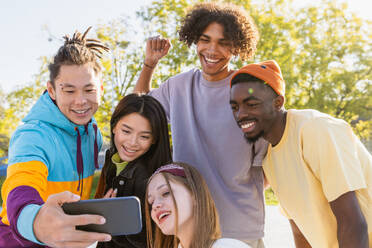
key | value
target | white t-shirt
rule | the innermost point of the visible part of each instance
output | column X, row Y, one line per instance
column 227, row 243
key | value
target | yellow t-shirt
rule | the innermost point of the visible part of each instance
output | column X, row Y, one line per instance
column 317, row 160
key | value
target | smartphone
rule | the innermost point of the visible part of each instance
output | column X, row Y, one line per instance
column 123, row 214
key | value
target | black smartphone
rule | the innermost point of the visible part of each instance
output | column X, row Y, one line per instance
column 123, row 214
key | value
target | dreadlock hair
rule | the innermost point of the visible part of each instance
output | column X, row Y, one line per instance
column 77, row 50
column 239, row 27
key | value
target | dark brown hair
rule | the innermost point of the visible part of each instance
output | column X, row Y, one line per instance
column 239, row 27
column 77, row 51
column 206, row 221
column 159, row 152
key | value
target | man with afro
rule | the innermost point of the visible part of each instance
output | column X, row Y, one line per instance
column 203, row 129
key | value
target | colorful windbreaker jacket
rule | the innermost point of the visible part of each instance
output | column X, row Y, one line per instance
column 48, row 154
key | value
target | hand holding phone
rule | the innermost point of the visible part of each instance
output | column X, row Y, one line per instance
column 122, row 214
column 56, row 229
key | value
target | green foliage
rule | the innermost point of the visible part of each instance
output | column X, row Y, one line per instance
column 325, row 53
column 163, row 18
column 16, row 104
column 96, row 176
column 270, row 198
column 121, row 68
column 4, row 139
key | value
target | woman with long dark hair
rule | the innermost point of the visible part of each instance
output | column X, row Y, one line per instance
column 139, row 146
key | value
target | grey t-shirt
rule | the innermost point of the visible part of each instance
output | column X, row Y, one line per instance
column 206, row 136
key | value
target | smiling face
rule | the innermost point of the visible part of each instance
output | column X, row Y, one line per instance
column 253, row 106
column 132, row 136
column 214, row 53
column 163, row 210
column 77, row 92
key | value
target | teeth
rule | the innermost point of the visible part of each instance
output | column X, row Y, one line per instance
column 80, row 111
column 247, row 125
column 211, row 60
column 128, row 150
column 163, row 215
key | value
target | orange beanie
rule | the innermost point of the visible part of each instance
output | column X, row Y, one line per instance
column 268, row 71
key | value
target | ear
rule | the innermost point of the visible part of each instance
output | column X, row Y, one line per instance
column 279, row 102
column 114, row 129
column 51, row 90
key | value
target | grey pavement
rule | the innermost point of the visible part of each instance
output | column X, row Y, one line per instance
column 278, row 232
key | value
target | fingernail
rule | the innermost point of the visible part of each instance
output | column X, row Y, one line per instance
column 75, row 197
column 115, row 191
column 107, row 238
column 102, row 221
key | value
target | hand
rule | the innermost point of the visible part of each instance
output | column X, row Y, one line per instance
column 156, row 48
column 111, row 193
column 57, row 229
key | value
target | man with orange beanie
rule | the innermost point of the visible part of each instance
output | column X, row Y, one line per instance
column 317, row 167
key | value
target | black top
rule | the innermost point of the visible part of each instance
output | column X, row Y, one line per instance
column 131, row 181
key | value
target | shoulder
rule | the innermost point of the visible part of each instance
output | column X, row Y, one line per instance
column 229, row 243
column 32, row 141
column 311, row 120
column 140, row 170
column 186, row 76
column 36, row 132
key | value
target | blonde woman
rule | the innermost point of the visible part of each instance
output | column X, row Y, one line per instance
column 183, row 211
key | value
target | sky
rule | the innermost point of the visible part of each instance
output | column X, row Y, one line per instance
column 24, row 39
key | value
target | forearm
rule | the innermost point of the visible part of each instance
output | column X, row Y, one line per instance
column 23, row 203
column 143, row 84
column 353, row 235
column 352, row 230
column 299, row 239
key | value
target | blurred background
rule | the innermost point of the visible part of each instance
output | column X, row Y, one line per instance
column 324, row 49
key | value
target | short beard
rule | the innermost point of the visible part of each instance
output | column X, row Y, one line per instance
column 252, row 140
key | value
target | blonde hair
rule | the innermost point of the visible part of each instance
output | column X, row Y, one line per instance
column 204, row 211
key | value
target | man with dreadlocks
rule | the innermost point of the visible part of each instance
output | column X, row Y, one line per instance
column 203, row 129
column 53, row 155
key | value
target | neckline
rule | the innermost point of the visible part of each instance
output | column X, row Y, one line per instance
column 215, row 84
column 285, row 133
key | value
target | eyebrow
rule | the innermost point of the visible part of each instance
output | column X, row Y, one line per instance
column 159, row 187
column 126, row 126
column 250, row 98
column 73, row 86
column 207, row 36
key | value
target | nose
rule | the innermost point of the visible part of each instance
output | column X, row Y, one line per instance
column 133, row 139
column 241, row 113
column 80, row 98
column 157, row 204
column 212, row 47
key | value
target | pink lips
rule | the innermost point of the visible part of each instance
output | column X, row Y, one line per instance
column 164, row 217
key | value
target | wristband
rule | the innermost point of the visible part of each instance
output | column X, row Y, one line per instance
column 151, row 67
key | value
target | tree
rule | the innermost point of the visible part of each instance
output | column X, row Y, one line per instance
column 325, row 53
column 4, row 139
column 16, row 104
